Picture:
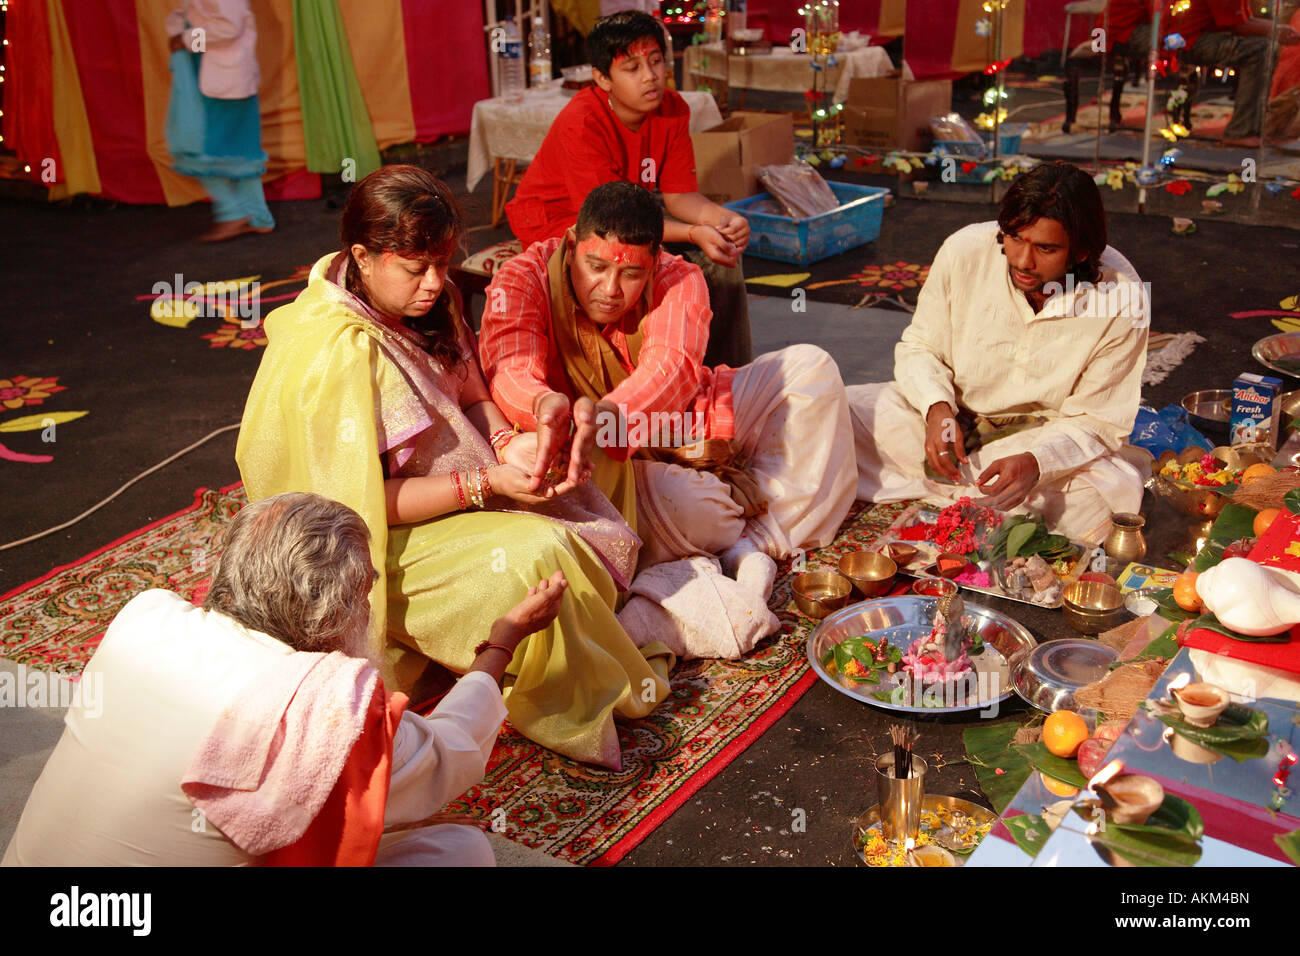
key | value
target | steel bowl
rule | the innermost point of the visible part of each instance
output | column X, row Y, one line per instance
column 872, row 573
column 1280, row 352
column 1210, row 411
column 817, row 593
column 1048, row 675
column 903, row 619
column 1093, row 606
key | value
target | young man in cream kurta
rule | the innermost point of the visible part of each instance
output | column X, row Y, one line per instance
column 977, row 343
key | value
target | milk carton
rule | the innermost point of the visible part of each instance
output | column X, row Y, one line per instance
column 1256, row 409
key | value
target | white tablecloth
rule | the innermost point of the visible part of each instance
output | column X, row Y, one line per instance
column 783, row 71
column 516, row 130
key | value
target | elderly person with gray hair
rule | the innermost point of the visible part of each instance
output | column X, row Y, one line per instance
column 246, row 732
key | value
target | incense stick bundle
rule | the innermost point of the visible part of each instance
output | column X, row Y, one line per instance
column 904, row 741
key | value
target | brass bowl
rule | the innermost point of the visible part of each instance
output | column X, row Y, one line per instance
column 903, row 554
column 934, row 587
column 1198, row 501
column 817, row 593
column 872, row 573
column 1092, row 606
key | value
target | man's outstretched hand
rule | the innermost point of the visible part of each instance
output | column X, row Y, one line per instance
column 1016, row 477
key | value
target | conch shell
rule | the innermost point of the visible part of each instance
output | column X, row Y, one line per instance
column 1249, row 598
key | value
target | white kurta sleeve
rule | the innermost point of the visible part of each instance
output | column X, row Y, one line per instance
column 439, row 757
column 921, row 359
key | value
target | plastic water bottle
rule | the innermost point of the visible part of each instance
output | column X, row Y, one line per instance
column 539, row 55
column 510, row 64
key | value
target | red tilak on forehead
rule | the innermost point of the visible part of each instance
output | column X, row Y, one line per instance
column 619, row 253
column 642, row 47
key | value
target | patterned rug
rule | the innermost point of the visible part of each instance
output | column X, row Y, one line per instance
column 577, row 813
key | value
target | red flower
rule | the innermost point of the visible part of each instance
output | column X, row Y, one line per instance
column 1179, row 187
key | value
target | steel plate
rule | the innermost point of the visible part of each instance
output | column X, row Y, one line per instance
column 1280, row 352
column 906, row 618
column 1048, row 676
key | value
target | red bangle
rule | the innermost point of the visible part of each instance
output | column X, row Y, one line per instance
column 484, row 485
column 460, row 492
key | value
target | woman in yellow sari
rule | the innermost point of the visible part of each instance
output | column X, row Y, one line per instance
column 370, row 393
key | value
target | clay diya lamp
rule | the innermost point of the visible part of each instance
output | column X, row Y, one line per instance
column 872, row 573
column 1189, row 750
column 817, row 593
column 1130, row 797
column 1201, row 703
column 930, row 855
column 902, row 554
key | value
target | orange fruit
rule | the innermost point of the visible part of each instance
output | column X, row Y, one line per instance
column 1257, row 471
column 1264, row 519
column 1063, row 731
column 1054, row 786
column 1185, row 592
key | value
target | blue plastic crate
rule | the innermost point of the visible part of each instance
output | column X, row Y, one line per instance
column 801, row 241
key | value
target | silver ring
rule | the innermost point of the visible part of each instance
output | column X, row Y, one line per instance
column 945, row 453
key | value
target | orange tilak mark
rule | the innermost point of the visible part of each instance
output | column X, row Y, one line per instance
column 642, row 47
column 619, row 253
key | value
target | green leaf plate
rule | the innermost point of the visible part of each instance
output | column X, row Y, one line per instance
column 1063, row 769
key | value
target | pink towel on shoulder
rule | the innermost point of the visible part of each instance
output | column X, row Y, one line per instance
column 268, row 766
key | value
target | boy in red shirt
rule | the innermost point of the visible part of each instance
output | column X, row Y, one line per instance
column 629, row 126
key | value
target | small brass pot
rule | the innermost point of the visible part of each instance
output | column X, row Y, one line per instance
column 1126, row 543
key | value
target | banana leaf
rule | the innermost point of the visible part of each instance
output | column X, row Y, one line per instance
column 1234, row 522
column 1029, row 830
column 1169, row 609
column 1170, row 837
column 1241, row 732
column 1165, row 646
column 1292, row 499
column 1063, row 769
column 1175, row 818
column 1290, row 844
column 988, row 750
column 1211, row 623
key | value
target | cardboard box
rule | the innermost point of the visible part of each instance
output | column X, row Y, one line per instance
column 887, row 112
column 728, row 155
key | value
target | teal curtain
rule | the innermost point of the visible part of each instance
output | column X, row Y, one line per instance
column 335, row 122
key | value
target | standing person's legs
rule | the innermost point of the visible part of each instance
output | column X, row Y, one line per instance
column 1248, row 55
column 252, row 202
column 729, row 338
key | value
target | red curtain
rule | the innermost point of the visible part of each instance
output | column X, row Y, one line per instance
column 106, row 45
column 781, row 18
column 29, row 120
column 446, row 61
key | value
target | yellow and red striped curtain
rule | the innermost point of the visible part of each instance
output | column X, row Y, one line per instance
column 90, row 84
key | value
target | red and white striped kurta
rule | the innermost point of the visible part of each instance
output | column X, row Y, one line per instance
column 521, row 360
